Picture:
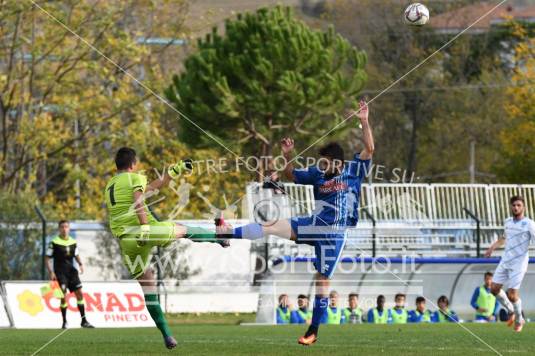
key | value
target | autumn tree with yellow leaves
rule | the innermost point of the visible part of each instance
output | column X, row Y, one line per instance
column 65, row 108
column 517, row 140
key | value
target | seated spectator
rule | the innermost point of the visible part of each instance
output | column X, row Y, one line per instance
column 378, row 315
column 484, row 302
column 334, row 312
column 353, row 313
column 302, row 315
column 398, row 314
column 420, row 314
column 283, row 310
column 444, row 314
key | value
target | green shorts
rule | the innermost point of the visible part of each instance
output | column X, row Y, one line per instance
column 137, row 258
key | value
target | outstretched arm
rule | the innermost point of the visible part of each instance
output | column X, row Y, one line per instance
column 367, row 136
column 172, row 172
column 287, row 146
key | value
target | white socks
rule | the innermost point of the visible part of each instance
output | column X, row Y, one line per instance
column 505, row 302
column 518, row 309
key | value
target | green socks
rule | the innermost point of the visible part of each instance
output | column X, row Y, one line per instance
column 200, row 234
column 155, row 311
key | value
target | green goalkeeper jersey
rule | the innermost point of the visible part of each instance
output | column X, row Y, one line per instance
column 119, row 195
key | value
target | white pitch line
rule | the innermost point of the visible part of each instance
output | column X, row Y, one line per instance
column 49, row 342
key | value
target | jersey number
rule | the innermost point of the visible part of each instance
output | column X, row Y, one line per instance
column 112, row 195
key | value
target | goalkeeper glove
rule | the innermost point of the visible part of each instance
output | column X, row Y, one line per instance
column 175, row 169
column 144, row 233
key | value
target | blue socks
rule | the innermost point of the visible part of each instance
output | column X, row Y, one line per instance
column 319, row 311
column 251, row 231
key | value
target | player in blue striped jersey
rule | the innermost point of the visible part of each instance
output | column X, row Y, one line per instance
column 337, row 192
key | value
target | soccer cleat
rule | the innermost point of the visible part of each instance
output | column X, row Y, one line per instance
column 86, row 324
column 64, row 325
column 224, row 243
column 519, row 326
column 222, row 229
column 511, row 319
column 170, row 342
column 307, row 340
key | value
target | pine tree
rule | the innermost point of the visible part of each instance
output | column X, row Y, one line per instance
column 269, row 75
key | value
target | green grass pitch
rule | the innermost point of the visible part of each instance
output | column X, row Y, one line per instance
column 276, row 340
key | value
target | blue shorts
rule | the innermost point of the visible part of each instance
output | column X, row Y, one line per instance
column 328, row 243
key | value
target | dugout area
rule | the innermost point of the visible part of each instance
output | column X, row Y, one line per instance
column 428, row 277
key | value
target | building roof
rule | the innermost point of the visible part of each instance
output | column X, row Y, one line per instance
column 463, row 17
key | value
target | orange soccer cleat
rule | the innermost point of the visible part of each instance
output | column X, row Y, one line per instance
column 519, row 326
column 307, row 340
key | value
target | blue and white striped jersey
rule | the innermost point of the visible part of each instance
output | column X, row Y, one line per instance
column 337, row 199
column 518, row 234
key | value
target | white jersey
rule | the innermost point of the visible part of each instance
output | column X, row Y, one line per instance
column 518, row 235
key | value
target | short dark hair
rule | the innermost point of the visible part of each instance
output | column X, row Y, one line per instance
column 302, row 296
column 443, row 299
column 420, row 300
column 333, row 151
column 399, row 295
column 380, row 296
column 351, row 295
column 125, row 157
column 63, row 221
column 516, row 198
column 488, row 274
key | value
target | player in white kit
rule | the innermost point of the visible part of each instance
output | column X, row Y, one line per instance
column 519, row 230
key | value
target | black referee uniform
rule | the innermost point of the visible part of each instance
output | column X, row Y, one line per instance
column 64, row 251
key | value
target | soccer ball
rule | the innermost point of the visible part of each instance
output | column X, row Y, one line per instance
column 416, row 14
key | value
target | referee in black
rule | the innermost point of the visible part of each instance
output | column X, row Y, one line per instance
column 63, row 250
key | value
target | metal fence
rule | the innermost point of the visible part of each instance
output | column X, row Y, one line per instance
column 438, row 203
column 420, row 219
column 418, row 203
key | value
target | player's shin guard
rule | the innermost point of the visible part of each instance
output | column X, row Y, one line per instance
column 504, row 301
column 517, row 306
column 63, row 308
column 81, row 308
column 318, row 314
column 156, row 313
column 251, row 231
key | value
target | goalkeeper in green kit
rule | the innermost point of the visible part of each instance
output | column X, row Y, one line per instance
column 138, row 231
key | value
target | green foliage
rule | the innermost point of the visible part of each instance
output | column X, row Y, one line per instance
column 269, row 75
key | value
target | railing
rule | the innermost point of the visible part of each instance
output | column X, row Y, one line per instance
column 417, row 203
column 424, row 219
column 428, row 203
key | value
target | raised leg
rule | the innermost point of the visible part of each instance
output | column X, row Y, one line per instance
column 253, row 231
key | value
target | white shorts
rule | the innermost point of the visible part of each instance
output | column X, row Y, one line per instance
column 509, row 276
